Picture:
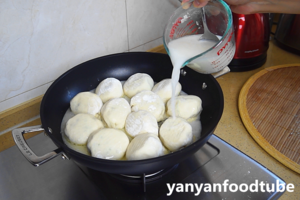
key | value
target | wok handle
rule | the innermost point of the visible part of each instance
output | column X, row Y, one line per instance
column 27, row 152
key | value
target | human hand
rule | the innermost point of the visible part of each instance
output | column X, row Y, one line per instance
column 264, row 6
column 253, row 6
column 196, row 3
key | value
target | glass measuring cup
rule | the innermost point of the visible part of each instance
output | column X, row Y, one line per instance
column 188, row 22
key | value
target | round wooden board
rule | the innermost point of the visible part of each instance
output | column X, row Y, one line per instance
column 269, row 105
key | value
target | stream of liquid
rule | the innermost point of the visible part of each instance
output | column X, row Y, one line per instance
column 181, row 50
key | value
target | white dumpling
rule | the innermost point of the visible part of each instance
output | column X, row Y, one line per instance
column 144, row 146
column 164, row 89
column 175, row 133
column 108, row 143
column 141, row 122
column 109, row 88
column 186, row 106
column 197, row 129
column 114, row 112
column 86, row 102
column 136, row 83
column 149, row 101
column 79, row 127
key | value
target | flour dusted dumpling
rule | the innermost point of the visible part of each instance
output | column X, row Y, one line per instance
column 86, row 102
column 144, row 146
column 197, row 129
column 79, row 127
column 109, row 88
column 186, row 106
column 149, row 101
column 114, row 112
column 175, row 133
column 164, row 89
column 136, row 83
column 141, row 122
column 108, row 143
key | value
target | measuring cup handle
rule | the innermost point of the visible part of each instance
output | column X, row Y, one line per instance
column 222, row 72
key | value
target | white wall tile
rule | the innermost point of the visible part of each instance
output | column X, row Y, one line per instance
column 149, row 45
column 21, row 98
column 146, row 19
column 42, row 39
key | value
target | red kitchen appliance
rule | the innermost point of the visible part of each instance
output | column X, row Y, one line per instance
column 252, row 34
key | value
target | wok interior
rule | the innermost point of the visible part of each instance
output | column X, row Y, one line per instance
column 88, row 75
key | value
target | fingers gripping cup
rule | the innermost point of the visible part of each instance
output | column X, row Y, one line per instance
column 183, row 42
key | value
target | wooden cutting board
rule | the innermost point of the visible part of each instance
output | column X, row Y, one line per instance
column 269, row 105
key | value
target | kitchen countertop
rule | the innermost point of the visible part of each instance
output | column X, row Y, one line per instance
column 232, row 130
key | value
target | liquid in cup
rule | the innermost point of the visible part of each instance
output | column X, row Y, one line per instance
column 183, row 27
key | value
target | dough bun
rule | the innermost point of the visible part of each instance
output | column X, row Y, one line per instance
column 86, row 102
column 144, row 146
column 136, row 83
column 141, row 122
column 108, row 143
column 164, row 89
column 79, row 128
column 186, row 106
column 175, row 133
column 109, row 88
column 115, row 111
column 149, row 101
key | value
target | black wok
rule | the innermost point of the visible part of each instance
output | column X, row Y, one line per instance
column 88, row 75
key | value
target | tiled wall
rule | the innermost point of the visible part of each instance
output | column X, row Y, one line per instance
column 41, row 39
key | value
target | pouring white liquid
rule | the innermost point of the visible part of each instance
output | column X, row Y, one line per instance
column 180, row 51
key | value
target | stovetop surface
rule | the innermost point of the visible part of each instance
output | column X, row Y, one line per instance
column 214, row 163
